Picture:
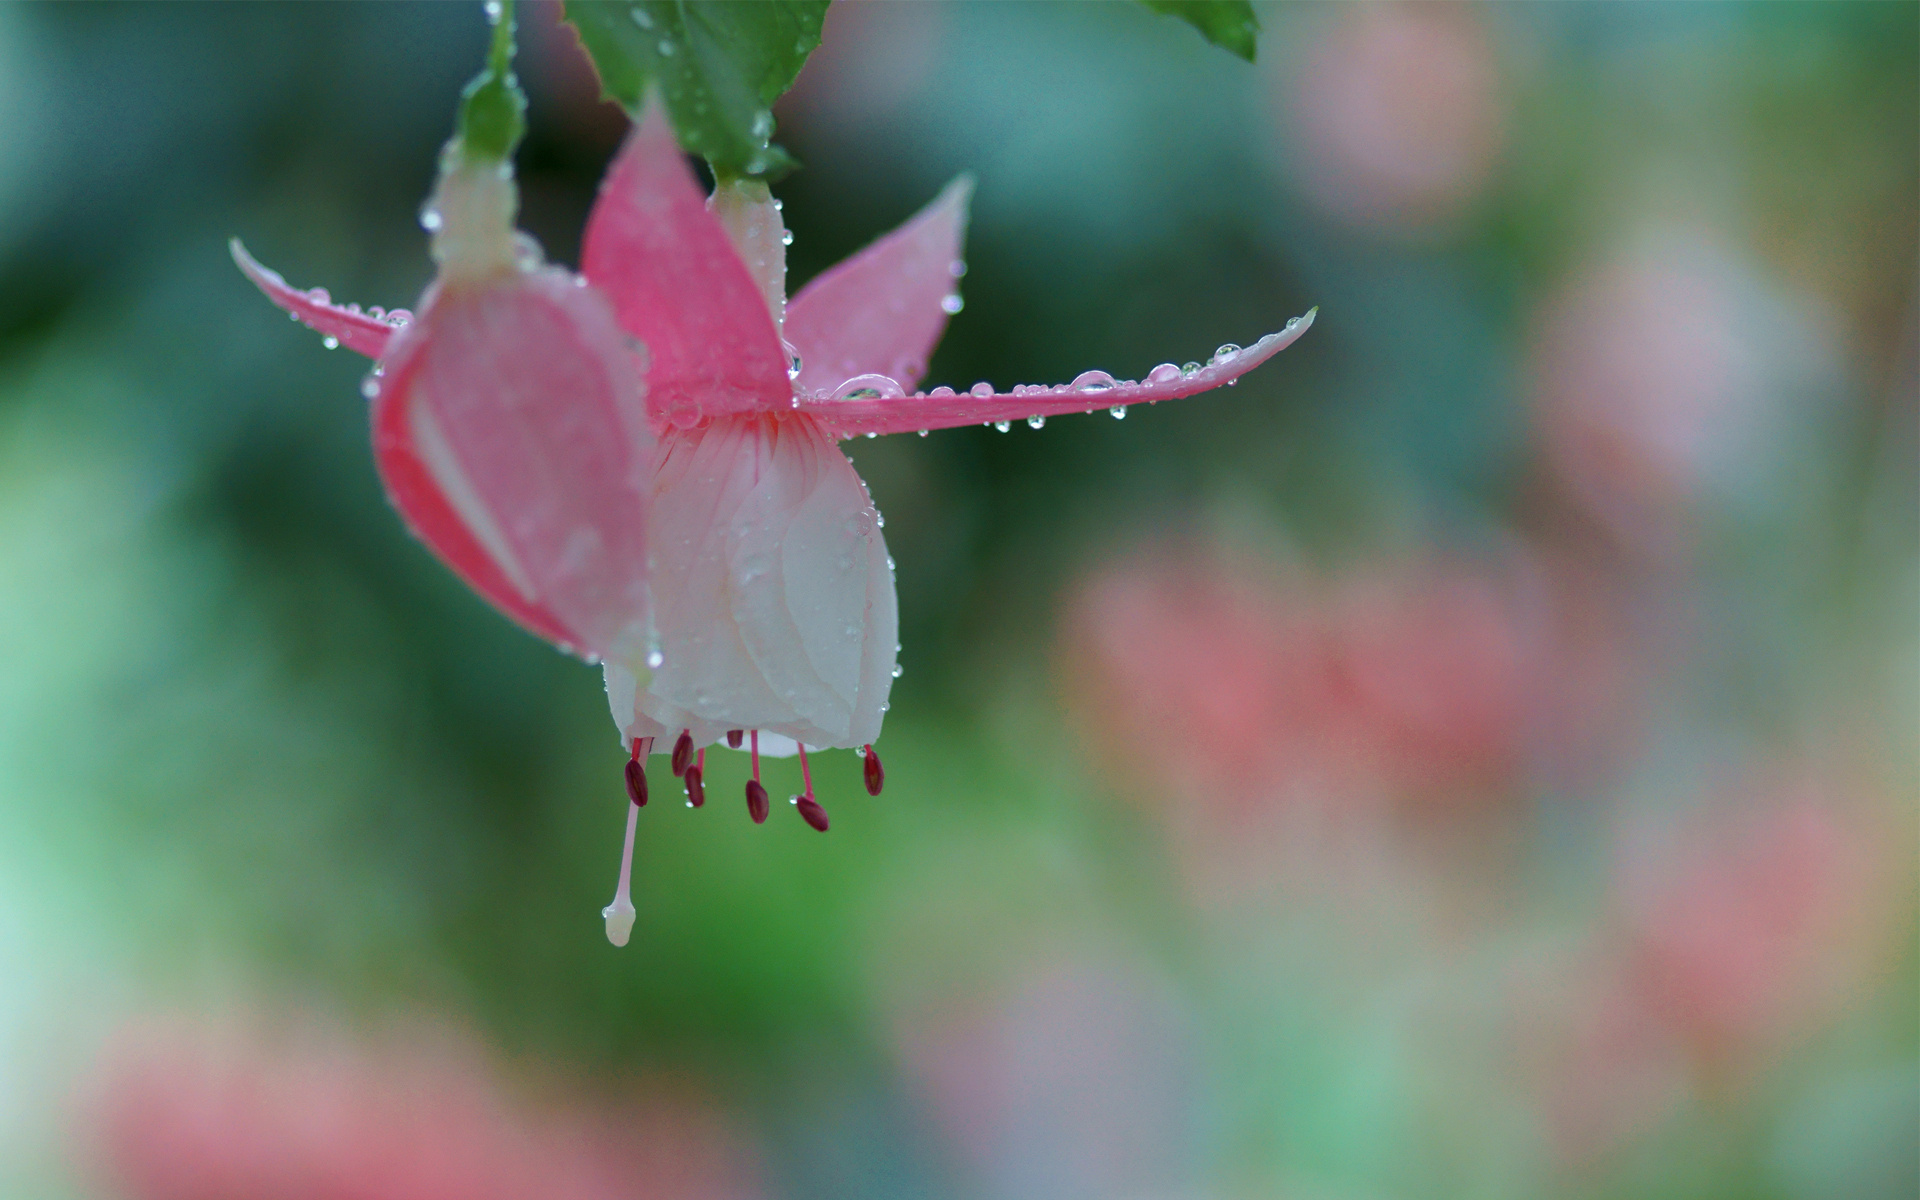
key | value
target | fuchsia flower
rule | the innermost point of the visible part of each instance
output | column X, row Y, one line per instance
column 510, row 432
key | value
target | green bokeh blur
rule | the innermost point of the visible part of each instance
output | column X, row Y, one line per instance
column 259, row 751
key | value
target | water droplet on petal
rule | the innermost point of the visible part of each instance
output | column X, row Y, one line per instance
column 1003, row 426
column 956, row 268
column 1118, row 412
column 493, row 11
column 870, row 387
column 1164, row 373
column 370, row 387
column 429, row 219
column 1225, row 352
column 982, row 389
column 1036, row 421
column 330, row 342
column 1092, row 381
column 654, row 659
column 951, row 304
column 1189, row 368
column 873, row 435
column 942, row 390
column 925, row 432
column 898, row 670
column 786, row 237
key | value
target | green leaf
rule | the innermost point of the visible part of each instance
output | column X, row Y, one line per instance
column 493, row 109
column 718, row 64
column 1228, row 24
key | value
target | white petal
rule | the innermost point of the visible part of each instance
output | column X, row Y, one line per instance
column 773, row 594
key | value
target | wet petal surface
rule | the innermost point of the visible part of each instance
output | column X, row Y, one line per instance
column 511, row 433
column 363, row 333
column 678, row 285
column 943, row 408
column 882, row 311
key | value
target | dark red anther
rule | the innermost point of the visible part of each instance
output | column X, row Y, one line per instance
column 683, row 752
column 756, row 802
column 812, row 813
column 696, row 790
column 735, row 737
column 637, row 782
column 876, row 776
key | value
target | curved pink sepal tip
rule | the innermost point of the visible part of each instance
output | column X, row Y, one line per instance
column 360, row 332
column 882, row 311
column 943, row 408
column 679, row 286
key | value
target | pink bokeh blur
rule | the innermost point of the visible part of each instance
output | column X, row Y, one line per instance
column 240, row 1108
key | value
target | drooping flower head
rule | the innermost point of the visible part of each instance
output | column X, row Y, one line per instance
column 772, row 599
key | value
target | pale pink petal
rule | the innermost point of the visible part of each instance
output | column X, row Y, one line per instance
column 678, row 285
column 864, row 405
column 360, row 332
column 511, row 433
column 882, row 311
column 773, row 590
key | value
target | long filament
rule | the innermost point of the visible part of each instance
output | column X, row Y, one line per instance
column 619, row 914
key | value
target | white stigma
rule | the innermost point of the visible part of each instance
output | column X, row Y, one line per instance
column 619, row 914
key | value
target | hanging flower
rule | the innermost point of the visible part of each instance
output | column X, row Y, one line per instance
column 772, row 590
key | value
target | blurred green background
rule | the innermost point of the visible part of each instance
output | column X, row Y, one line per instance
column 1473, row 757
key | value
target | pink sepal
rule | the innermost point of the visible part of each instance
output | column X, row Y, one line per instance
column 511, row 433
column 882, row 311
column 678, row 285
column 360, row 332
column 1093, row 391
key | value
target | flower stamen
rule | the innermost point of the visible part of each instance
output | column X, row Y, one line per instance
column 757, row 803
column 696, row 788
column 637, row 772
column 810, row 810
column 871, row 770
column 683, row 752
